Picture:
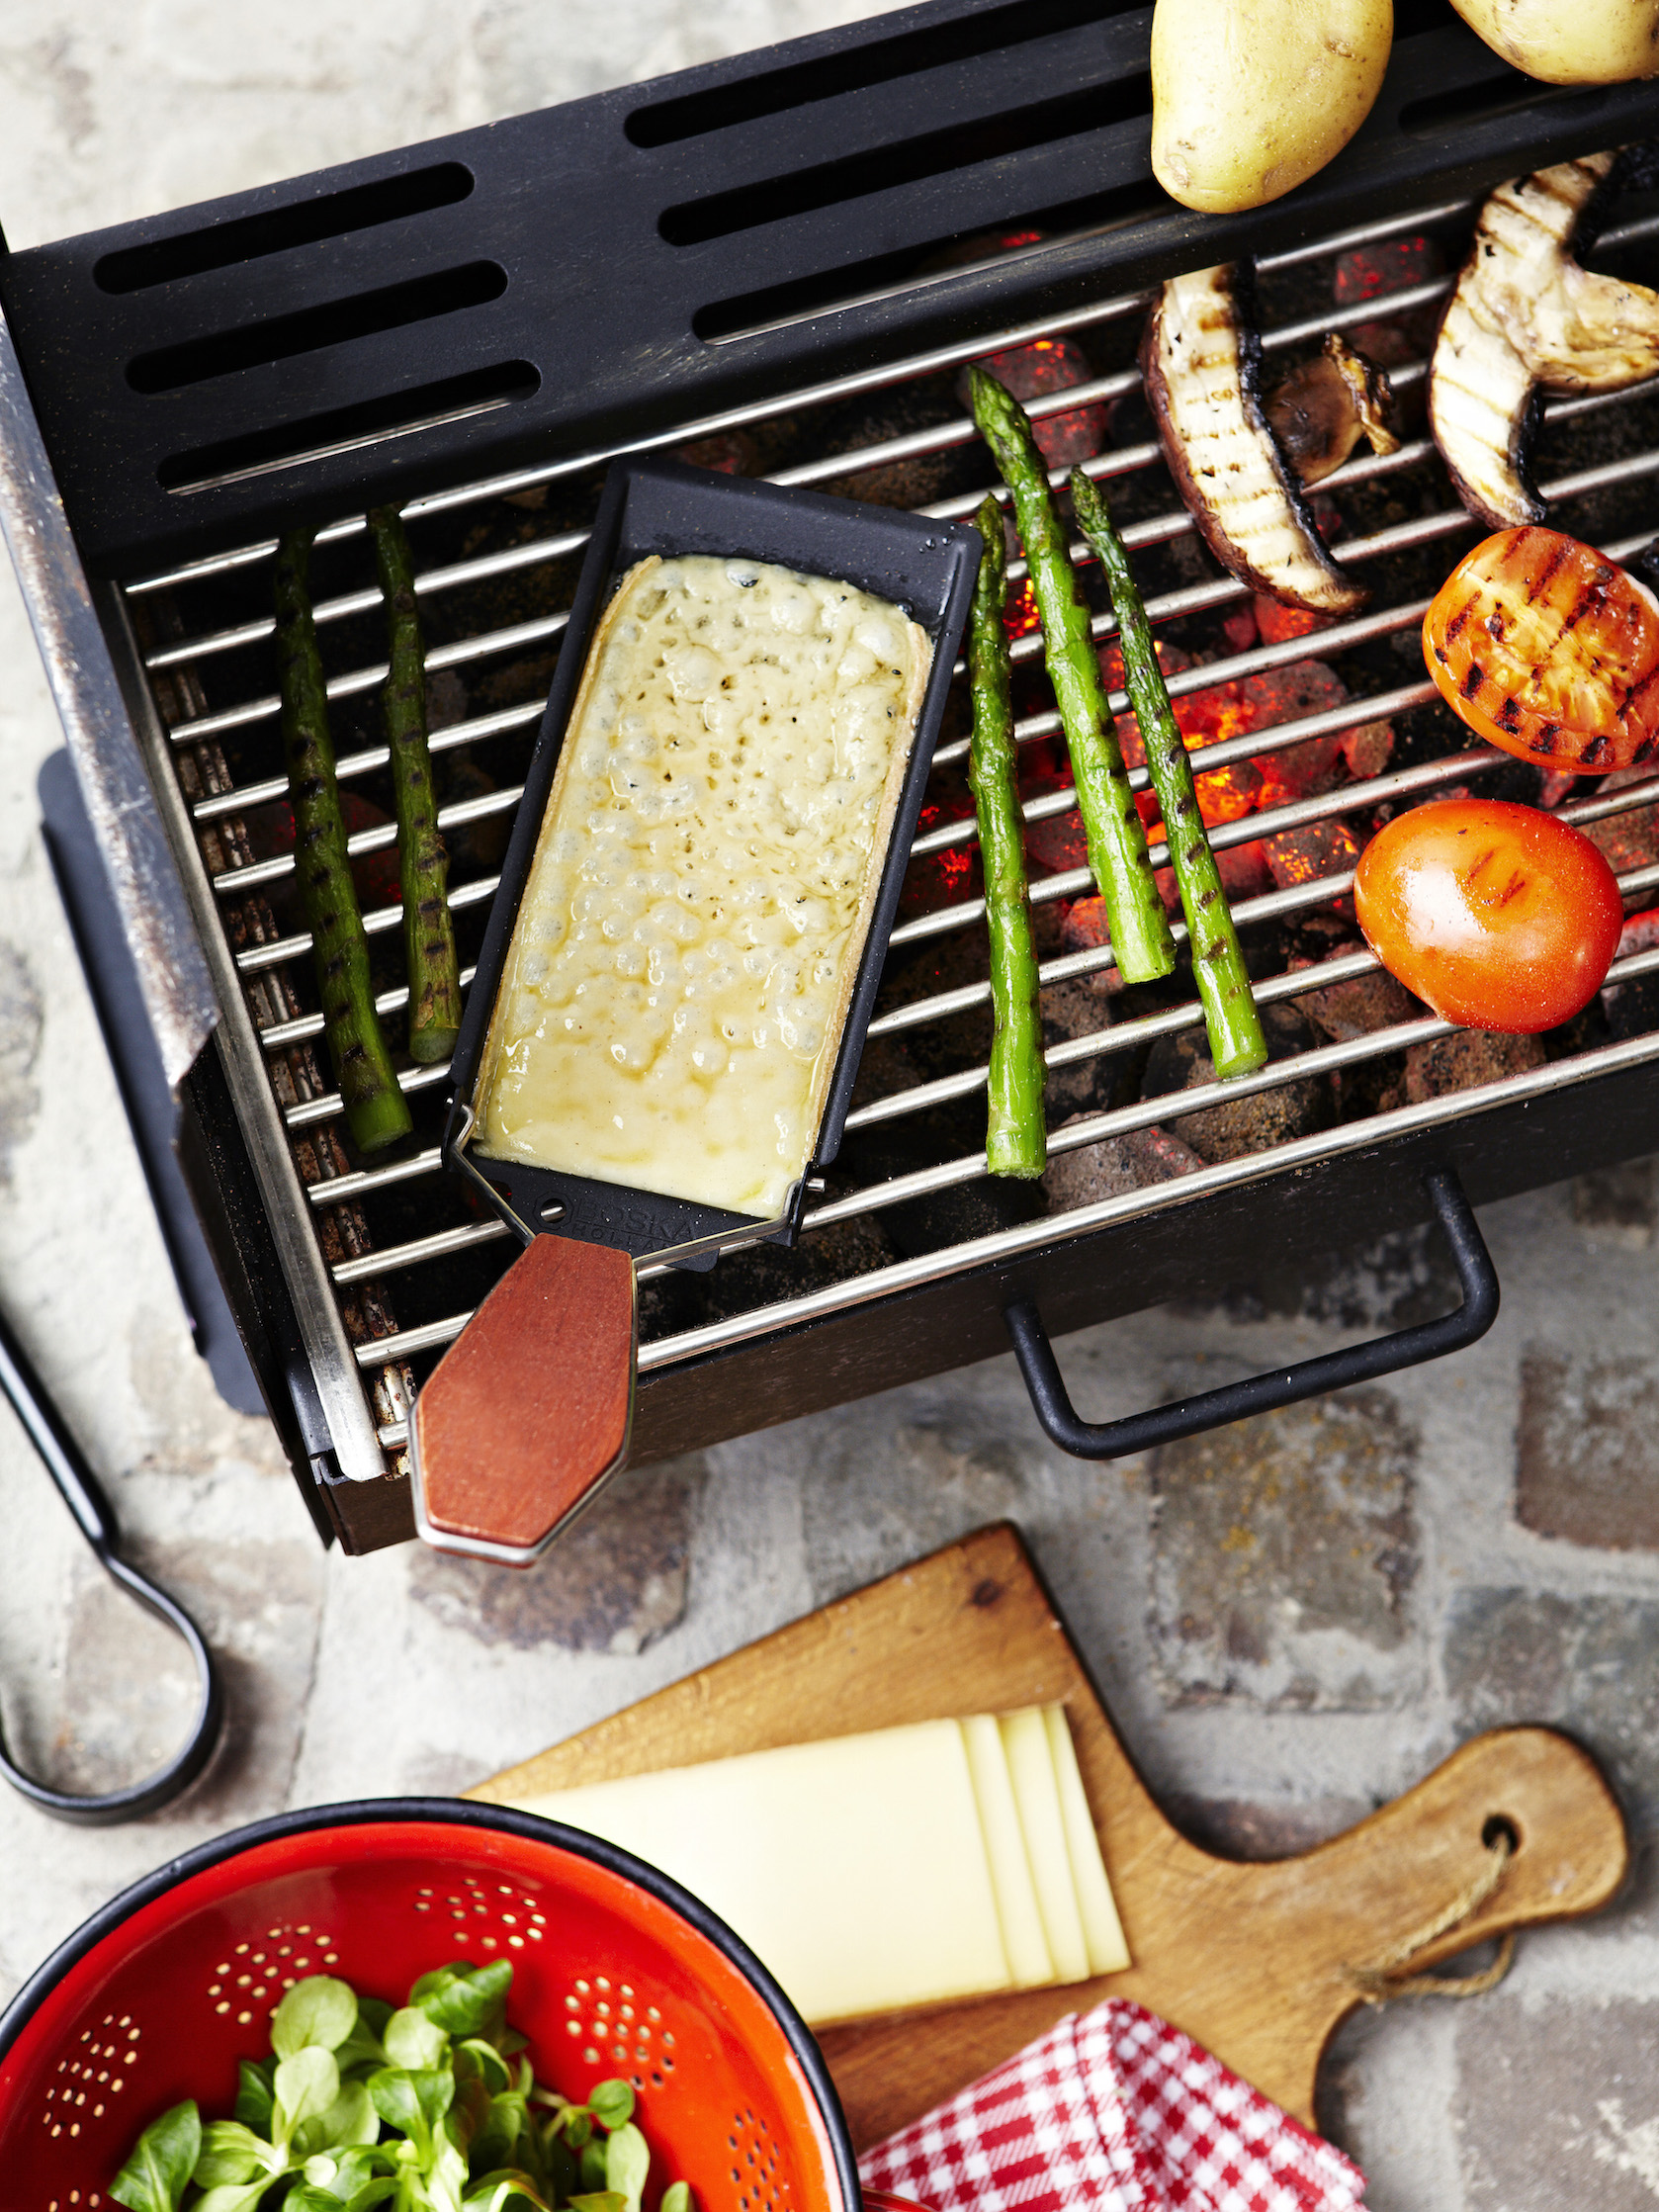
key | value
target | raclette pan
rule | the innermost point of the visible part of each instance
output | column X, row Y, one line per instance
column 530, row 1409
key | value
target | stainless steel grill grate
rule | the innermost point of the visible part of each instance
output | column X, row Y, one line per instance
column 384, row 1264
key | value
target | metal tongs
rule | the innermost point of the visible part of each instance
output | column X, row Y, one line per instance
column 95, row 1518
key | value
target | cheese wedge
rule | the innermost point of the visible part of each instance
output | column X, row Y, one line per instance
column 856, row 1868
column 1037, row 1793
column 887, row 1871
column 1029, row 1960
column 1103, row 1931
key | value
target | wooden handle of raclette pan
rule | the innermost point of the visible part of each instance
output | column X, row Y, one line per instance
column 531, row 1406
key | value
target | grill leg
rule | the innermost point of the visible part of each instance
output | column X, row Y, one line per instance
column 1260, row 1393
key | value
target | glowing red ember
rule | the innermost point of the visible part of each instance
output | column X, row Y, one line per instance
column 1053, row 364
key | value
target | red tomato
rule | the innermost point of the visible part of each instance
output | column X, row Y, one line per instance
column 1548, row 650
column 1500, row 917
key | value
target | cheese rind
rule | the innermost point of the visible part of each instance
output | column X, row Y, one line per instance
column 1029, row 1960
column 1037, row 1793
column 855, row 1869
column 703, row 883
column 1103, row 1931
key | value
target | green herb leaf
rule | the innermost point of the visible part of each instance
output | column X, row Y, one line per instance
column 392, row 2092
column 254, row 2096
column 463, row 1999
column 155, row 2177
column 600, row 2200
column 413, row 2039
column 676, row 2198
column 493, row 2070
column 233, row 2197
column 305, row 2086
column 493, row 2144
column 363, row 2048
column 319, row 2011
column 351, row 2119
column 595, row 2174
column 627, row 2164
column 501, row 2190
column 343, row 2173
column 578, row 2126
column 232, row 2153
column 612, row 2103
column 564, row 2175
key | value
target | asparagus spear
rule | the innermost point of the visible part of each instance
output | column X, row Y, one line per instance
column 1237, row 1044
column 374, row 1106
column 1016, row 1137
column 424, row 864
column 1140, row 936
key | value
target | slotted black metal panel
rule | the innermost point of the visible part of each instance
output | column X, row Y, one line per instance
column 594, row 272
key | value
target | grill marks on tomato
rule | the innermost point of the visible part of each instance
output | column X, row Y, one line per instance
column 1547, row 649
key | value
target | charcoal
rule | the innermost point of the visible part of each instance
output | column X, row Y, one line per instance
column 1628, row 840
column 1291, row 694
column 1114, row 1167
column 1032, row 372
column 1467, row 1058
column 1058, row 844
column 1073, row 1010
column 1343, row 1012
column 1310, row 853
column 948, row 962
column 1368, row 748
column 896, row 413
column 1229, row 1130
column 767, row 1272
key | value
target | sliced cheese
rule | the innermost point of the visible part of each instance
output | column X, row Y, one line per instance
column 1037, row 1793
column 1029, row 1958
column 1103, row 1931
column 857, row 1869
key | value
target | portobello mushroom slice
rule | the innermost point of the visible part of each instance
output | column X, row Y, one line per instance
column 1525, row 319
column 1322, row 410
column 1200, row 361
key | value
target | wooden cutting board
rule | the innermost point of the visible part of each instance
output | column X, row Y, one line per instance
column 1246, row 1958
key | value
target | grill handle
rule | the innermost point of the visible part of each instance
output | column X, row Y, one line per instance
column 95, row 1517
column 1261, row 1394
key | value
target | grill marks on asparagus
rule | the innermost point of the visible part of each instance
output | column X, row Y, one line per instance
column 375, row 1110
column 1234, row 1026
column 423, row 863
column 1016, row 1137
column 1117, row 852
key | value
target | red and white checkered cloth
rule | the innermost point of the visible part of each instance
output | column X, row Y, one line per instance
column 1119, row 2112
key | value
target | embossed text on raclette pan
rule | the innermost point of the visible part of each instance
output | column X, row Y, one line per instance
column 504, row 1451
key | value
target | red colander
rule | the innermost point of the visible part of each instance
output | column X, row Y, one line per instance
column 617, row 1972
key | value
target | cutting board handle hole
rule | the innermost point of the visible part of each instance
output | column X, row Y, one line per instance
column 1499, row 1829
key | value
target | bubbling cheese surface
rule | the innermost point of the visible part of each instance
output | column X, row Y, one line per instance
column 702, row 887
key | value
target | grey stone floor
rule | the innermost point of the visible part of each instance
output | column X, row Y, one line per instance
column 1284, row 1644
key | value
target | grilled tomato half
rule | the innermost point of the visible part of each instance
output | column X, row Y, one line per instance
column 1498, row 915
column 1549, row 651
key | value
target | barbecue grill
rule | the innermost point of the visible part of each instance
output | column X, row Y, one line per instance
column 779, row 265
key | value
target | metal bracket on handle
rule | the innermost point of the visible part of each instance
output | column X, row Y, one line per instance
column 1260, row 1393
column 95, row 1518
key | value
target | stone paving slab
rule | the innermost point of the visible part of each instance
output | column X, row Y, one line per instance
column 1484, row 1535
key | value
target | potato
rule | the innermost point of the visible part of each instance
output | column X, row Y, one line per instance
column 1250, row 97
column 1589, row 41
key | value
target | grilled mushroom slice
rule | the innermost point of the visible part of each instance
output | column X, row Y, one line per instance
column 1201, row 359
column 1525, row 319
column 1321, row 410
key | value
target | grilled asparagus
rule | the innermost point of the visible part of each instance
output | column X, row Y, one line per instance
column 375, row 1110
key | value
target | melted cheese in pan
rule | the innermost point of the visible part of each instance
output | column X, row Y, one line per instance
column 702, row 887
